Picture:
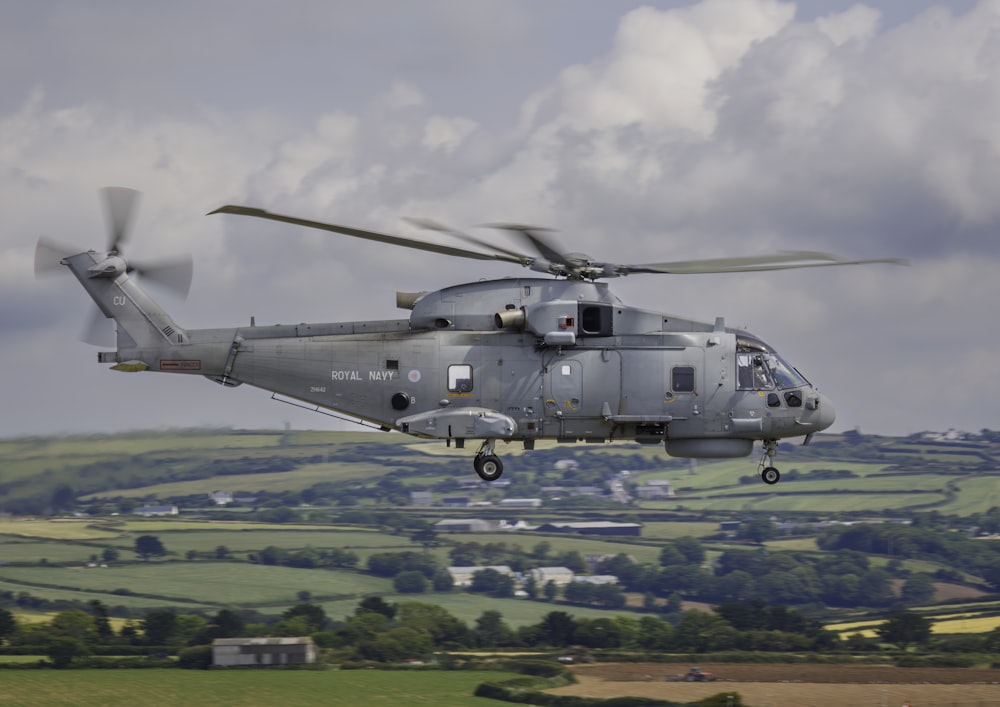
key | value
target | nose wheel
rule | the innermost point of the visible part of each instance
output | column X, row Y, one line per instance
column 769, row 474
column 487, row 464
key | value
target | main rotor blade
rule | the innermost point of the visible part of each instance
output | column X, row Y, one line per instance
column 49, row 255
column 785, row 261
column 366, row 235
column 174, row 274
column 545, row 248
column 119, row 210
column 431, row 225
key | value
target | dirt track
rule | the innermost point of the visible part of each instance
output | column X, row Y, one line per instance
column 797, row 685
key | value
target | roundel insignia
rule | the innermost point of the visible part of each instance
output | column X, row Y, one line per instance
column 414, row 376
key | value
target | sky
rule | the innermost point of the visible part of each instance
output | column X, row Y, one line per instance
column 642, row 132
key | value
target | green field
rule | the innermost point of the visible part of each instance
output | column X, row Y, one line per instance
column 223, row 688
column 57, row 529
column 224, row 584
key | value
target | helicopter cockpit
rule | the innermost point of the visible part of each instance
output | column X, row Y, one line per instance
column 760, row 367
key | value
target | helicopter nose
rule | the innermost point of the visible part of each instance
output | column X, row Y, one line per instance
column 827, row 413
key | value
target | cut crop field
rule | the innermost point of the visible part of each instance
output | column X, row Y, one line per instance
column 793, row 685
column 248, row 688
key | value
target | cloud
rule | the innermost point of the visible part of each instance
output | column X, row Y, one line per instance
column 684, row 130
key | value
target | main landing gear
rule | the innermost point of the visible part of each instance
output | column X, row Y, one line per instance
column 769, row 474
column 488, row 465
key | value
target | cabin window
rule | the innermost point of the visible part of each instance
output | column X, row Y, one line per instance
column 682, row 379
column 460, row 378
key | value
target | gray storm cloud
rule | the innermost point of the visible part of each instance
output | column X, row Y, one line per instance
column 662, row 132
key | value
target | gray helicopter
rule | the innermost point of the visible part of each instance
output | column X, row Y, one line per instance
column 514, row 360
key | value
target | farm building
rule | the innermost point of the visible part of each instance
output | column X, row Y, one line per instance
column 593, row 528
column 263, row 652
column 464, row 525
column 520, row 503
column 156, row 511
column 657, row 488
column 560, row 576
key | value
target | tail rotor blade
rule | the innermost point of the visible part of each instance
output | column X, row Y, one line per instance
column 119, row 210
column 173, row 274
column 49, row 255
column 98, row 331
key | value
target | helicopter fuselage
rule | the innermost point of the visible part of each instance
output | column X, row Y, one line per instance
column 518, row 359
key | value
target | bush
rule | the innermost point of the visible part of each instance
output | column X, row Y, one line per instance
column 934, row 661
column 195, row 658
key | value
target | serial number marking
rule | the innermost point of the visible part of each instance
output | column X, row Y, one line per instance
column 180, row 364
column 317, row 389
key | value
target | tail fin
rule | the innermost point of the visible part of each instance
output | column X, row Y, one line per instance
column 142, row 324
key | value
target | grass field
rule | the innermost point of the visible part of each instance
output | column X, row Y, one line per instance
column 56, row 529
column 212, row 583
column 248, row 688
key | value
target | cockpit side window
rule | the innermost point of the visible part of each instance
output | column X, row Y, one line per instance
column 766, row 371
column 752, row 372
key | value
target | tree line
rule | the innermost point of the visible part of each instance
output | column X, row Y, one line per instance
column 386, row 632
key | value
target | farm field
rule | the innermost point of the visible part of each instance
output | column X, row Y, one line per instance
column 56, row 529
column 211, row 583
column 945, row 624
column 794, row 685
column 469, row 607
column 222, row 688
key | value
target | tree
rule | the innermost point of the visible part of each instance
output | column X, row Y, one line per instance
column 101, row 622
column 757, row 530
column 917, row 589
column 315, row 617
column 491, row 630
column 8, row 624
column 63, row 649
column 442, row 581
column 550, row 590
column 74, row 623
column 410, row 582
column 492, row 582
column 904, row 628
column 691, row 548
column 226, row 624
column 147, row 546
column 598, row 633
column 444, row 629
column 427, row 537
column 109, row 554
column 376, row 605
column 159, row 626
column 557, row 628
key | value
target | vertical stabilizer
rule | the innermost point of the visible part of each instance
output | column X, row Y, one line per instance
column 142, row 324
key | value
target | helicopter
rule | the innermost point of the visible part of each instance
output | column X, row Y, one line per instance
column 520, row 359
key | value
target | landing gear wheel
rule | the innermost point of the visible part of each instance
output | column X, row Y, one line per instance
column 768, row 474
column 489, row 467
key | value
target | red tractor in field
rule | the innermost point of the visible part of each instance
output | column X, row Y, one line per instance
column 698, row 675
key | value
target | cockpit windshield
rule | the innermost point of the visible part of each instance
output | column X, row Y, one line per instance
column 759, row 367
